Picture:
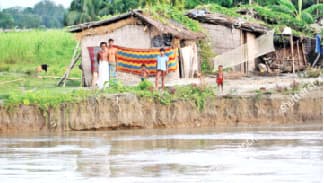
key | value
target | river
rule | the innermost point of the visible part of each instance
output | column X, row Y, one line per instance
column 225, row 154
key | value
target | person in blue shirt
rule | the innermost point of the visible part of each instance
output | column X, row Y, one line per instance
column 161, row 68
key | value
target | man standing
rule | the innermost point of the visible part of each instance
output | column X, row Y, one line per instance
column 102, row 67
column 161, row 68
column 112, row 59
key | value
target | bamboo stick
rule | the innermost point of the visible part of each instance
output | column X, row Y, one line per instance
column 76, row 56
column 298, row 52
column 304, row 56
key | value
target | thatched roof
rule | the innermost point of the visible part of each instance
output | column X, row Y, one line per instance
column 204, row 16
column 170, row 27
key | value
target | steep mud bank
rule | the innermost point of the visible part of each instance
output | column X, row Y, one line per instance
column 129, row 111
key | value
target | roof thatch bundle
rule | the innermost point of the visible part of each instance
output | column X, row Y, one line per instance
column 232, row 22
column 170, row 27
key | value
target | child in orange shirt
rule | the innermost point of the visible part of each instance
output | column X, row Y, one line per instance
column 220, row 77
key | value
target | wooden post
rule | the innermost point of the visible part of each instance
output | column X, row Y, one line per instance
column 76, row 56
column 284, row 52
column 298, row 52
column 292, row 52
column 304, row 56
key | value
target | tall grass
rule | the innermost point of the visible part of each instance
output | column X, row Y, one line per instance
column 21, row 51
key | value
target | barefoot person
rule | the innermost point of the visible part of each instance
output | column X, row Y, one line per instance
column 103, row 65
column 161, row 68
column 220, row 78
column 112, row 59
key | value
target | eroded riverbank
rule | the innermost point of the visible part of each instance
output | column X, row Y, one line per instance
column 128, row 111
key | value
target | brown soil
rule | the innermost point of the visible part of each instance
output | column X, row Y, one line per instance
column 128, row 111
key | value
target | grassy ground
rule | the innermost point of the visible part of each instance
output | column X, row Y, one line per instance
column 22, row 52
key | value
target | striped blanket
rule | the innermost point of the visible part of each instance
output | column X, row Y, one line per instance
column 129, row 60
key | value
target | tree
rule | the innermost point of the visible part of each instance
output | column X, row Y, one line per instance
column 286, row 6
column 51, row 14
column 44, row 14
column 6, row 20
column 89, row 10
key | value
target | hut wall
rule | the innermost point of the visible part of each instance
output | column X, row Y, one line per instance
column 283, row 57
column 132, row 36
column 222, row 38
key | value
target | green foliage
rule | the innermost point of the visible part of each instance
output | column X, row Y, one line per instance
column 145, row 85
column 196, row 93
column 44, row 14
column 47, row 98
column 52, row 97
column 206, row 56
column 89, row 10
column 287, row 7
column 313, row 12
column 174, row 3
column 278, row 15
column 164, row 12
column 219, row 9
column 24, row 51
column 6, row 20
column 274, row 18
column 312, row 73
column 193, row 3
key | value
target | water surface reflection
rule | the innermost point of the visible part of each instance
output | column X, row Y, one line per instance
column 233, row 154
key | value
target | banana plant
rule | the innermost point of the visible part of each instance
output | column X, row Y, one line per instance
column 306, row 15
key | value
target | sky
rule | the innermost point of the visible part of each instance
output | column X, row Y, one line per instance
column 29, row 3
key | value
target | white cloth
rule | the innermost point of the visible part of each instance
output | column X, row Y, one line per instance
column 103, row 74
column 190, row 60
column 248, row 51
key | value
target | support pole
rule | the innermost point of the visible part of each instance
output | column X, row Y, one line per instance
column 298, row 52
column 292, row 52
column 76, row 56
column 304, row 54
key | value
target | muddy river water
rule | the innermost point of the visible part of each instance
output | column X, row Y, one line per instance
column 223, row 154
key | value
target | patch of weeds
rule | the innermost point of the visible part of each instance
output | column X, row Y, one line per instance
column 259, row 94
column 295, row 86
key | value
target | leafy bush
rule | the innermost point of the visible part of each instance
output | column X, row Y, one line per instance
column 216, row 8
column 145, row 85
column 164, row 12
column 274, row 17
column 206, row 53
column 313, row 73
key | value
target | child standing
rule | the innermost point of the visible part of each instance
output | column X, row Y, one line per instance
column 144, row 72
column 220, row 77
column 161, row 68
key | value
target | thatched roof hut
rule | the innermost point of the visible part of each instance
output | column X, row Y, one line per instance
column 137, row 30
column 228, row 33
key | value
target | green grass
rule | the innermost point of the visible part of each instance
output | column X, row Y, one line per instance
column 53, row 96
column 22, row 52
column 164, row 12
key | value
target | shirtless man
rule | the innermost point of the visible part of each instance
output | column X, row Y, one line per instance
column 112, row 59
column 103, row 65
